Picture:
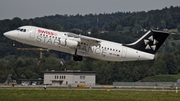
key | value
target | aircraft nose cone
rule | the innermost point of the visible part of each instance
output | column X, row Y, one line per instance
column 11, row 35
column 7, row 34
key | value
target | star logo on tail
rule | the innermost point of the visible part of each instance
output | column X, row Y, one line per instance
column 150, row 43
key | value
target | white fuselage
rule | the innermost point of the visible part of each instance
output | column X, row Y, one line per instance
column 60, row 41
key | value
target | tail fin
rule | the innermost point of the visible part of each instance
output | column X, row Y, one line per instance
column 150, row 42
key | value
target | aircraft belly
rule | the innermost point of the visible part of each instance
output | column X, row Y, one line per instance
column 100, row 56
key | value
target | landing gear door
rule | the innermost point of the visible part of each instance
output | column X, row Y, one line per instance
column 32, row 33
column 124, row 52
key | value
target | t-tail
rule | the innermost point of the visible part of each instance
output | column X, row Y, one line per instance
column 150, row 42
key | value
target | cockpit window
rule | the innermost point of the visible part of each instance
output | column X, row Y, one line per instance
column 22, row 30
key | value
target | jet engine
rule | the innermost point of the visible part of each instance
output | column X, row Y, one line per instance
column 68, row 43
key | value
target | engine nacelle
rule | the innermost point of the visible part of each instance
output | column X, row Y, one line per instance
column 68, row 43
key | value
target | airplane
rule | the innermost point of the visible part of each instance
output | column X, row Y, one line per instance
column 83, row 46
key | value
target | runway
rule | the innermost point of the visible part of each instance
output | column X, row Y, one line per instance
column 99, row 87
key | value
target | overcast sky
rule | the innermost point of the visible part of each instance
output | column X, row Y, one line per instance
column 26, row 9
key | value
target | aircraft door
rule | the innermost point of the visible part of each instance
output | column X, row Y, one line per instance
column 32, row 33
column 124, row 52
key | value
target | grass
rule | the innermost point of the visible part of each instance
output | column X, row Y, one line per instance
column 84, row 95
column 164, row 78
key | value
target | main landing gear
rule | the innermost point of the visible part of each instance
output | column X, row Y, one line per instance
column 77, row 57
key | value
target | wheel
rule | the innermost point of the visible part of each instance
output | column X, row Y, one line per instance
column 77, row 58
column 80, row 58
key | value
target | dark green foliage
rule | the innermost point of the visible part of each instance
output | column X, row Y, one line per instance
column 178, row 27
column 121, row 27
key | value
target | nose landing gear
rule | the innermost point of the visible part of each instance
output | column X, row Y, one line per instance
column 14, row 43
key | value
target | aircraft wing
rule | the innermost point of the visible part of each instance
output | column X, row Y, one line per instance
column 85, row 39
